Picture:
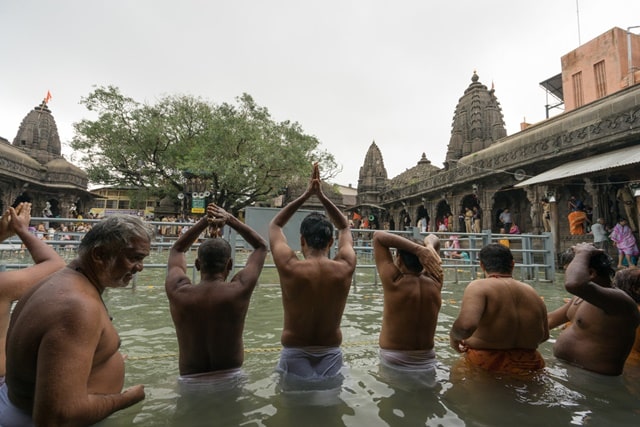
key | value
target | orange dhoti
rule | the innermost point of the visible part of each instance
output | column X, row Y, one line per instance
column 514, row 361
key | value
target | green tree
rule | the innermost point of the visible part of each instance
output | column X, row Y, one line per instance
column 242, row 154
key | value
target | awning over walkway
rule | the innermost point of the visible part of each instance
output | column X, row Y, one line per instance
column 613, row 159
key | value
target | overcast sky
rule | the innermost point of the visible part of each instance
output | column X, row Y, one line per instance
column 349, row 71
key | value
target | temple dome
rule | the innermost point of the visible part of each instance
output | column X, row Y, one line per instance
column 477, row 122
column 38, row 135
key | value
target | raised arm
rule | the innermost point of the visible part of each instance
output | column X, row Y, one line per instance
column 280, row 249
column 345, row 238
column 177, row 263
column 579, row 281
column 427, row 254
column 46, row 259
column 248, row 276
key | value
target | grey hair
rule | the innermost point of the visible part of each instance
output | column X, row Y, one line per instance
column 115, row 233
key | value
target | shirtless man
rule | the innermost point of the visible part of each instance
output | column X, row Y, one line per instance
column 411, row 285
column 63, row 362
column 314, row 289
column 603, row 319
column 209, row 316
column 629, row 281
column 501, row 321
column 14, row 283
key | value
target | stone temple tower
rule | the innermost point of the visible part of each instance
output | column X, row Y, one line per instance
column 477, row 122
column 34, row 170
column 373, row 176
column 38, row 135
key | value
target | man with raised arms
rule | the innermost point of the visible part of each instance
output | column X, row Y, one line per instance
column 603, row 318
column 412, row 284
column 314, row 289
column 14, row 283
column 209, row 316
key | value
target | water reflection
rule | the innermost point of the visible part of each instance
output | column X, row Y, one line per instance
column 368, row 397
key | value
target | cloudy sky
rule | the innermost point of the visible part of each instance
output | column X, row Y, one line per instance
column 349, row 71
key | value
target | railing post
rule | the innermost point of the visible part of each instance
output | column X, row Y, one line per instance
column 549, row 257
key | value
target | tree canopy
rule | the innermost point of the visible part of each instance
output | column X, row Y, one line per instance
column 239, row 151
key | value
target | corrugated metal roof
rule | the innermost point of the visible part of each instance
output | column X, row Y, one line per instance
column 623, row 157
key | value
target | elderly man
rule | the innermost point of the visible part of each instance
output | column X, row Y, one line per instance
column 502, row 320
column 63, row 361
column 603, row 319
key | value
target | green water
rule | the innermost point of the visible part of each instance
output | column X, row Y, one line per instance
column 562, row 395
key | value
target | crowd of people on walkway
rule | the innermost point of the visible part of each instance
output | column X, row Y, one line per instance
column 62, row 364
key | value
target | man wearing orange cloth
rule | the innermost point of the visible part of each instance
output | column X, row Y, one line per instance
column 502, row 320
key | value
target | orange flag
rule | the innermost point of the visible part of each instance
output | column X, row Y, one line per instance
column 47, row 98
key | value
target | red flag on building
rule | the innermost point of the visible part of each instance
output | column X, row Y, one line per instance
column 356, row 216
column 47, row 98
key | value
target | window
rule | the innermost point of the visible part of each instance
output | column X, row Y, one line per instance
column 112, row 204
column 123, row 204
column 578, row 98
column 601, row 79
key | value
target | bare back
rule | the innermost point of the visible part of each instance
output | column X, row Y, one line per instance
column 61, row 332
column 411, row 306
column 209, row 320
column 314, row 295
column 506, row 313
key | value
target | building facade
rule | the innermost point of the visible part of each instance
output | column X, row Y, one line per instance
column 33, row 169
column 591, row 152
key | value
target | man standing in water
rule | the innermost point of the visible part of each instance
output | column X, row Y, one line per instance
column 314, row 289
column 209, row 317
column 603, row 319
column 412, row 285
column 13, row 284
column 63, row 363
column 501, row 321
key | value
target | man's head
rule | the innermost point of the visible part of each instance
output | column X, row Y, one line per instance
column 317, row 231
column 410, row 260
column 113, row 234
column 214, row 256
column 628, row 280
column 600, row 262
column 114, row 249
column 496, row 258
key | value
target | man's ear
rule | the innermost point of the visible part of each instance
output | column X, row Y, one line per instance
column 197, row 264
column 229, row 266
column 98, row 254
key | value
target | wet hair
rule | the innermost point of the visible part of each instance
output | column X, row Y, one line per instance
column 115, row 233
column 601, row 262
column 496, row 258
column 214, row 255
column 317, row 230
column 410, row 260
column 628, row 280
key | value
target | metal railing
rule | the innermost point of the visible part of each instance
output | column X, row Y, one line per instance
column 533, row 253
